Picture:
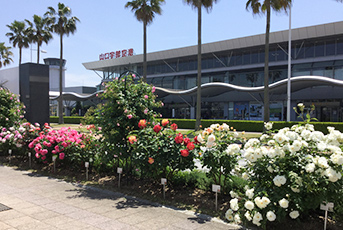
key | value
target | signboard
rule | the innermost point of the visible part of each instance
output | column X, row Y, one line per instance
column 216, row 188
column 116, row 54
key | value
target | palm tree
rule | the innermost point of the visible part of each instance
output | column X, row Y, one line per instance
column 62, row 24
column 5, row 55
column 265, row 6
column 39, row 32
column 198, row 4
column 18, row 36
column 145, row 13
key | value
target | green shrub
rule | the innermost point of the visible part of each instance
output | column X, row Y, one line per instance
column 67, row 119
column 11, row 109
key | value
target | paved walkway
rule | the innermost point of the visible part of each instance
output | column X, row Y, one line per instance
column 39, row 202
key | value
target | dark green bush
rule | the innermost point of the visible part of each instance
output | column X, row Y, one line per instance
column 67, row 119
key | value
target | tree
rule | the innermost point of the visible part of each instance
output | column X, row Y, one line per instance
column 5, row 55
column 62, row 24
column 18, row 36
column 145, row 11
column 39, row 32
column 198, row 4
column 265, row 6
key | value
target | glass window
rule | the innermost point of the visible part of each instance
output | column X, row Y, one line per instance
column 231, row 60
column 299, row 51
column 193, row 65
column 205, row 79
column 254, row 57
column 218, row 78
column 319, row 49
column 330, row 48
column 251, row 79
column 272, row 55
column 191, row 82
column 309, row 50
column 246, row 58
column 179, row 82
column 157, row 81
column 168, row 82
column 281, row 55
column 339, row 72
column 261, row 60
column 149, row 80
column 238, row 59
column 339, row 47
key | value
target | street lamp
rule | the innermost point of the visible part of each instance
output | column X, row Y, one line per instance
column 42, row 51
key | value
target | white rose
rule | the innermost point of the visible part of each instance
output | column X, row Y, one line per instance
column 257, row 217
column 268, row 125
column 310, row 167
column 200, row 139
column 294, row 214
column 249, row 205
column 322, row 162
column 228, row 215
column 233, row 194
column 279, row 180
column 321, row 146
column 271, row 216
column 337, row 159
column 247, row 216
column 211, row 138
column 283, row 203
column 249, row 193
column 234, row 204
column 245, row 176
column 237, row 219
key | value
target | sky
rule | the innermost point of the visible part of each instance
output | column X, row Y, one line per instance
column 107, row 26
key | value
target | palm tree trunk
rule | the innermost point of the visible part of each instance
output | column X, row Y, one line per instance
column 266, row 69
column 198, row 109
column 145, row 66
column 19, row 55
column 60, row 99
column 38, row 46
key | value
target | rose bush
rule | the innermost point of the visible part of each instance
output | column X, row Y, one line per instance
column 126, row 101
column 289, row 173
column 67, row 145
column 159, row 151
column 18, row 138
column 219, row 150
column 11, row 109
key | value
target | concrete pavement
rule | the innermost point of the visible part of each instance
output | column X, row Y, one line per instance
column 40, row 202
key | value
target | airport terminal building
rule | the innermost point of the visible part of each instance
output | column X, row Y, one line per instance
column 233, row 72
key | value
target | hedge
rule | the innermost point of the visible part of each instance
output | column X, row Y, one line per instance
column 254, row 126
column 67, row 119
column 239, row 125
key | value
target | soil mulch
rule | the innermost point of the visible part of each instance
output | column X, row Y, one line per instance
column 180, row 197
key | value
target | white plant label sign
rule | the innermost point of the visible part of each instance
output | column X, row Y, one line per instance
column 119, row 170
column 86, row 164
column 327, row 206
column 163, row 181
column 216, row 188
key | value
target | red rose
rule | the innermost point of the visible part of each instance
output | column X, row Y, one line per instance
column 179, row 138
column 132, row 139
column 184, row 152
column 142, row 124
column 186, row 141
column 173, row 127
column 151, row 160
column 196, row 140
column 190, row 146
column 165, row 122
column 157, row 128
